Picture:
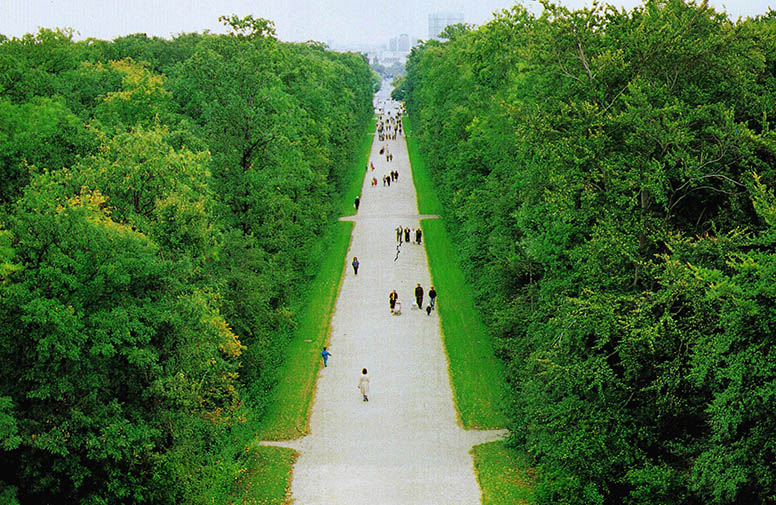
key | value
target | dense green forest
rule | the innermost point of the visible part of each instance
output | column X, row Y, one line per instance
column 609, row 176
column 162, row 204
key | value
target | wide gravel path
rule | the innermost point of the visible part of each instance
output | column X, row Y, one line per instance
column 405, row 446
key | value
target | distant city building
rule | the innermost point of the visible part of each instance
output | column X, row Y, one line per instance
column 439, row 20
column 404, row 43
column 393, row 46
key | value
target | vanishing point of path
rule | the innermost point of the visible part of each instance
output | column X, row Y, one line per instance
column 405, row 446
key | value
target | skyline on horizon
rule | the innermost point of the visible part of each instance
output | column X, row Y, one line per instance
column 337, row 22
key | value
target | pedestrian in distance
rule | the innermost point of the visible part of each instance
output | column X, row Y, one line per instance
column 399, row 233
column 392, row 299
column 418, row 235
column 363, row 384
column 325, row 355
column 432, row 297
column 419, row 296
column 355, row 265
column 407, row 234
column 357, row 202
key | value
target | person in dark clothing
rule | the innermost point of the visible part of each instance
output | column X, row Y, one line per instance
column 419, row 296
column 418, row 235
column 407, row 235
column 355, row 265
column 432, row 297
column 399, row 233
column 392, row 298
column 357, row 202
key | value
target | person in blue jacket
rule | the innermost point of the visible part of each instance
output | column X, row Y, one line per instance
column 325, row 355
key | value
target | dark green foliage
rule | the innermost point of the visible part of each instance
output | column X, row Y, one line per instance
column 606, row 173
column 160, row 207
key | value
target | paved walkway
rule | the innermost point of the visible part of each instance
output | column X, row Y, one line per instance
column 404, row 446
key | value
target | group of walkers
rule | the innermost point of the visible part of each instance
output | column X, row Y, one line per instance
column 407, row 234
column 390, row 127
column 388, row 154
column 392, row 176
column 394, row 304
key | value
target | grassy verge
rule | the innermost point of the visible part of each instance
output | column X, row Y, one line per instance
column 267, row 480
column 428, row 203
column 503, row 476
column 476, row 373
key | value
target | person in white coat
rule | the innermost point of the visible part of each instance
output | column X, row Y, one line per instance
column 363, row 384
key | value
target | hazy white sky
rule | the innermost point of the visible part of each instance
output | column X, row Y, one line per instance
column 337, row 21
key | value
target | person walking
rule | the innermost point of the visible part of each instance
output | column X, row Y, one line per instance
column 363, row 384
column 407, row 234
column 419, row 296
column 355, row 265
column 325, row 355
column 432, row 297
column 357, row 202
column 399, row 233
column 418, row 235
column 392, row 299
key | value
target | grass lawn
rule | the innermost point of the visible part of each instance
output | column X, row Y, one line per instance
column 503, row 476
column 476, row 373
column 428, row 203
column 267, row 480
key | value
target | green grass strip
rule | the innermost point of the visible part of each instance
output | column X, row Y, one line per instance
column 476, row 373
column 267, row 479
column 503, row 475
column 428, row 203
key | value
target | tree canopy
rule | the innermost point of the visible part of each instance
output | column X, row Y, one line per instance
column 161, row 208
